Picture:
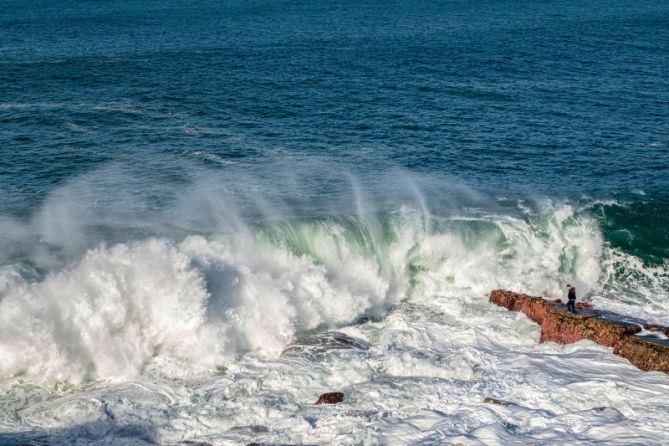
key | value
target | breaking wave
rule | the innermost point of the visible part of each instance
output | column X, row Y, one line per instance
column 186, row 306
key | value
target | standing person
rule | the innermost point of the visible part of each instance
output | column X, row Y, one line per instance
column 571, row 304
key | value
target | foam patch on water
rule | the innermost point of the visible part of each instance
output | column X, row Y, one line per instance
column 424, row 378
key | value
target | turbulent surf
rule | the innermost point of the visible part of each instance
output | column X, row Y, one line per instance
column 213, row 213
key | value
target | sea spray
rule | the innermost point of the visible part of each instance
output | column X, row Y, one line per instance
column 107, row 315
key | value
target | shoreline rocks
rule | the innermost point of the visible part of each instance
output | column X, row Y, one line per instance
column 562, row 327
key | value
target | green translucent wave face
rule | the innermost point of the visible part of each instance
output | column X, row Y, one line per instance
column 640, row 228
column 368, row 236
column 609, row 234
column 372, row 235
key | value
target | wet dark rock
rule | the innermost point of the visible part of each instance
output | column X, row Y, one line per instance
column 253, row 429
column 323, row 343
column 276, row 444
column 271, row 444
column 496, row 401
column 330, row 398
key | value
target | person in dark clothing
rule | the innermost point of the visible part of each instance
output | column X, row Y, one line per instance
column 571, row 304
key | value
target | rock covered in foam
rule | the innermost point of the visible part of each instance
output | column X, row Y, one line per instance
column 657, row 329
column 563, row 327
column 323, row 343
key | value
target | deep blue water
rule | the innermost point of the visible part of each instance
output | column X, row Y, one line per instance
column 560, row 99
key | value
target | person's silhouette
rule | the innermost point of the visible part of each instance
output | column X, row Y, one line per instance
column 571, row 296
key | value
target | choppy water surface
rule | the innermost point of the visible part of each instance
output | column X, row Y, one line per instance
column 191, row 194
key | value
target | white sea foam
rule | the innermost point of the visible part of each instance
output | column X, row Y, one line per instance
column 632, row 288
column 119, row 308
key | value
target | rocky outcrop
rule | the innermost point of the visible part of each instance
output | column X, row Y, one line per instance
column 330, row 398
column 562, row 327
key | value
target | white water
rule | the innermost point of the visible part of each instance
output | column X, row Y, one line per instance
column 164, row 341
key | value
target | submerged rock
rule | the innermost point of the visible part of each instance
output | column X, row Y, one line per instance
column 323, row 343
column 253, row 429
column 274, row 444
column 496, row 401
column 330, row 398
column 562, row 327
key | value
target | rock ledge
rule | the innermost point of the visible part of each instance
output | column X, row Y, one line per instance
column 562, row 327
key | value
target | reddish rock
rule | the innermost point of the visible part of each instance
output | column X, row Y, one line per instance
column 645, row 354
column 562, row 327
column 330, row 398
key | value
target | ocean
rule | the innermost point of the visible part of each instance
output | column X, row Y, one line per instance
column 194, row 194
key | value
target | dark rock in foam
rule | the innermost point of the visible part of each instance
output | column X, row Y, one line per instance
column 496, row 401
column 330, row 398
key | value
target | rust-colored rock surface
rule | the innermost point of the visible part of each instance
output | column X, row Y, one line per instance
column 562, row 327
